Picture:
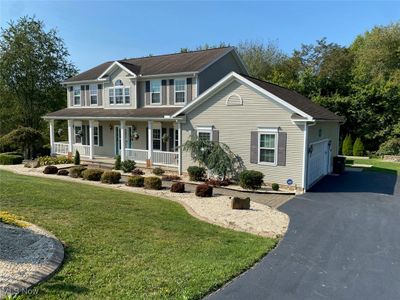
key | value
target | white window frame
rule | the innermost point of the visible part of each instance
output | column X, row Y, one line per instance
column 184, row 92
column 98, row 136
column 268, row 131
column 151, row 92
column 77, row 88
column 123, row 88
column 76, row 134
column 127, row 88
column 93, row 92
column 205, row 129
column 157, row 139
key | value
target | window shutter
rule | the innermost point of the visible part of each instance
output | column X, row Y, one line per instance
column 282, row 139
column 147, row 93
column 83, row 135
column 71, row 96
column 147, row 138
column 189, row 90
column 171, row 139
column 82, row 95
column 171, row 92
column 254, row 147
column 164, row 92
column 99, row 94
column 100, row 135
column 215, row 136
column 87, row 97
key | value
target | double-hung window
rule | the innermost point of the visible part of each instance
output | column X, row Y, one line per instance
column 157, row 139
column 127, row 95
column 95, row 136
column 77, row 95
column 93, row 94
column 204, row 133
column 155, row 91
column 118, row 94
column 180, row 94
column 78, row 134
column 267, row 147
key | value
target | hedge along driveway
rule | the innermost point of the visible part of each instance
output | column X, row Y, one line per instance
column 125, row 245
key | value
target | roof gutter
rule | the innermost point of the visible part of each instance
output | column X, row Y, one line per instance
column 165, row 118
column 194, row 73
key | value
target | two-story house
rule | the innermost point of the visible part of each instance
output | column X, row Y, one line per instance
column 145, row 108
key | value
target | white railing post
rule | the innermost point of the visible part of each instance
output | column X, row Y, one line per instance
column 150, row 142
column 70, row 136
column 51, row 123
column 122, row 153
column 179, row 149
column 91, row 139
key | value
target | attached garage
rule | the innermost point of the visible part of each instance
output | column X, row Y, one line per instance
column 319, row 162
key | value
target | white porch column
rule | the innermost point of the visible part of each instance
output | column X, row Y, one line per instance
column 179, row 149
column 70, row 135
column 122, row 140
column 150, row 141
column 51, row 123
column 91, row 139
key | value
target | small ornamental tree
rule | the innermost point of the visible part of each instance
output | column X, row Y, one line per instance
column 77, row 158
column 347, row 148
column 358, row 147
column 24, row 139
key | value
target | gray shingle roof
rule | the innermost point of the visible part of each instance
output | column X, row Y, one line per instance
column 160, row 64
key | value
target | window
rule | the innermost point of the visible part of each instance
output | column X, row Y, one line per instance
column 157, row 139
column 119, row 98
column 267, row 148
column 93, row 94
column 127, row 95
column 204, row 133
column 77, row 95
column 119, row 94
column 155, row 91
column 78, row 134
column 180, row 94
column 95, row 136
column 111, row 95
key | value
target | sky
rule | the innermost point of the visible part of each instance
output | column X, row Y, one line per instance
column 99, row 31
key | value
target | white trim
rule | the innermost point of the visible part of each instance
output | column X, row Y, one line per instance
column 165, row 118
column 233, row 95
column 90, row 94
column 184, row 91
column 78, row 88
column 68, row 83
column 205, row 129
column 180, row 74
column 116, row 63
column 151, row 93
column 305, row 158
column 228, row 79
column 269, row 132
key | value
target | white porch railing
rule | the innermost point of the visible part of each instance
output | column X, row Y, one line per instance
column 61, row 148
column 165, row 158
column 84, row 150
column 137, row 155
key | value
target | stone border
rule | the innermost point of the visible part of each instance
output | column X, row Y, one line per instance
column 50, row 268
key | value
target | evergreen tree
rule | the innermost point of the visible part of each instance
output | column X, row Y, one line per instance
column 358, row 147
column 347, row 148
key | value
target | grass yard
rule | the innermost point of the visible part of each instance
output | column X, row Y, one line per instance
column 378, row 165
column 122, row 245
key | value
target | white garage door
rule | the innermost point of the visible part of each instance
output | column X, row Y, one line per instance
column 318, row 162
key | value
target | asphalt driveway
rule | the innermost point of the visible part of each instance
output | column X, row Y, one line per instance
column 343, row 242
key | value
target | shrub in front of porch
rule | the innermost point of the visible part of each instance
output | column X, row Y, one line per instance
column 152, row 183
column 63, row 172
column 92, row 174
column 77, row 158
column 204, row 190
column 117, row 164
column 158, row 171
column 135, row 181
column 178, row 187
column 111, row 177
column 251, row 179
column 137, row 171
column 50, row 170
column 53, row 160
column 76, row 172
column 10, row 159
column 128, row 165
column 196, row 173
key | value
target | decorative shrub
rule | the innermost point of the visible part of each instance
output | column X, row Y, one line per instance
column 54, row 160
column 204, row 190
column 50, row 170
column 111, row 177
column 117, row 164
column 178, row 187
column 196, row 173
column 10, row 159
column 251, row 179
column 152, row 183
column 137, row 171
column 218, row 182
column 77, row 158
column 92, row 174
column 136, row 181
column 158, row 171
column 170, row 177
column 347, row 147
column 358, row 147
column 128, row 165
column 275, row 187
column 240, row 203
column 76, row 172
column 390, row 147
column 63, row 172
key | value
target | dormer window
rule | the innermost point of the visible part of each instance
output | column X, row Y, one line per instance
column 119, row 95
column 155, row 91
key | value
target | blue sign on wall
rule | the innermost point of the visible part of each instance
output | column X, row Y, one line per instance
column 289, row 181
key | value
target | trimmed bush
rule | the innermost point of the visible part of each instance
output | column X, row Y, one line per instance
column 152, row 183
column 136, row 181
column 218, row 182
column 10, row 159
column 178, row 187
column 137, row 171
column 158, row 171
column 275, row 187
column 63, row 172
column 77, row 158
column 251, row 179
column 111, row 177
column 170, row 177
column 92, row 174
column 390, row 147
column 240, row 203
column 128, row 165
column 204, row 190
column 196, row 173
column 53, row 160
column 76, row 172
column 347, row 147
column 358, row 147
column 50, row 170
column 117, row 164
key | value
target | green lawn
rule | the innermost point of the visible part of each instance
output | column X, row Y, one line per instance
column 125, row 245
column 378, row 165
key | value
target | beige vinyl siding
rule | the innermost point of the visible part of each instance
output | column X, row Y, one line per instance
column 236, row 122
column 216, row 71
column 119, row 74
column 329, row 130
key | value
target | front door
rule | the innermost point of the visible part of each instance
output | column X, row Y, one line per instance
column 117, row 138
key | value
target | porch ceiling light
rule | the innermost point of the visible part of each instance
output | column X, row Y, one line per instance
column 111, row 126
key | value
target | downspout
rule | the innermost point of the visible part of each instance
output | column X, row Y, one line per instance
column 305, row 154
